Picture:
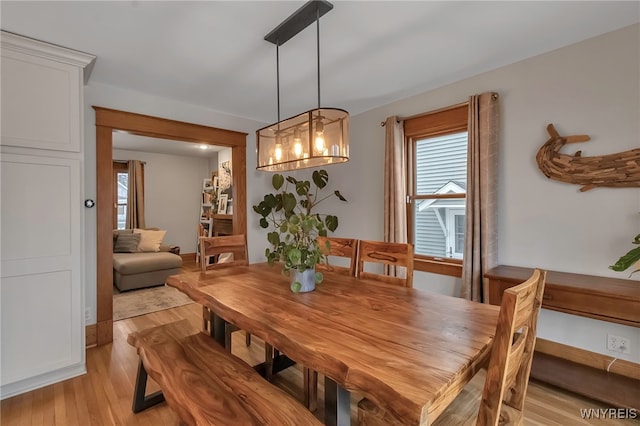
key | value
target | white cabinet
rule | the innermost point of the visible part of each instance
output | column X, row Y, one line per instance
column 42, row 337
column 41, row 84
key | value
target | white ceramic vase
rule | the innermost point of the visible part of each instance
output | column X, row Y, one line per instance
column 306, row 278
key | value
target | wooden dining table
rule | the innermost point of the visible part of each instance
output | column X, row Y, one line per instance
column 408, row 350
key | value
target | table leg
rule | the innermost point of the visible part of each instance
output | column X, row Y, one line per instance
column 337, row 404
column 217, row 329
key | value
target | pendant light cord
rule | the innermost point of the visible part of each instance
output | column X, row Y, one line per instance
column 278, row 79
column 318, row 50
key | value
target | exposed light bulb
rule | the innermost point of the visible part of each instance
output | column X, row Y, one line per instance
column 297, row 148
column 278, row 152
column 297, row 143
column 319, row 143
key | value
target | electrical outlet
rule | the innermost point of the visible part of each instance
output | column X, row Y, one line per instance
column 618, row 344
column 87, row 314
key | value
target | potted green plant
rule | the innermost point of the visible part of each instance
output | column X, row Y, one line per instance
column 630, row 258
column 295, row 226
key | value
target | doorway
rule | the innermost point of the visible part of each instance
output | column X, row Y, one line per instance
column 108, row 121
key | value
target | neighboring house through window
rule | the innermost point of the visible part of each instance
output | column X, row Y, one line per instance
column 436, row 185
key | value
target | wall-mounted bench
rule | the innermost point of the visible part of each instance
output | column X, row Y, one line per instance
column 607, row 299
column 206, row 385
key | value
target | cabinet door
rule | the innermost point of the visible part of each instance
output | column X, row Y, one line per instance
column 37, row 90
column 41, row 294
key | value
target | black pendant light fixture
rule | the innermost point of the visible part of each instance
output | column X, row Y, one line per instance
column 314, row 138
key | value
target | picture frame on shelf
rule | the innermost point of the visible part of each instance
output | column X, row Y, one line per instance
column 222, row 203
column 207, row 185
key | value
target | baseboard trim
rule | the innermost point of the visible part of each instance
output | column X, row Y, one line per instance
column 91, row 336
column 42, row 380
column 188, row 256
column 591, row 359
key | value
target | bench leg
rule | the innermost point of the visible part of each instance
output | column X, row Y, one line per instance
column 140, row 400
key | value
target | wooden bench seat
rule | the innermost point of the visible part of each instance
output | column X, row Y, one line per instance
column 205, row 384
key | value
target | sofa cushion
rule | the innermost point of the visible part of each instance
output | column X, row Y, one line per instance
column 126, row 243
column 117, row 232
column 138, row 263
column 150, row 240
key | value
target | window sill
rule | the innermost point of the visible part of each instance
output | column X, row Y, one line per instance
column 441, row 267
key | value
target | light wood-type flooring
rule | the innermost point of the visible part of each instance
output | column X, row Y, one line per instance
column 103, row 396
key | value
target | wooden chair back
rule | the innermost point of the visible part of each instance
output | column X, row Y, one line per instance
column 215, row 246
column 338, row 247
column 507, row 378
column 388, row 254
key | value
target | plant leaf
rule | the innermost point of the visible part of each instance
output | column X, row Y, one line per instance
column 273, row 238
column 264, row 223
column 339, row 195
column 292, row 180
column 627, row 260
column 331, row 222
column 288, row 202
column 277, row 181
column 302, row 187
column 294, row 256
column 320, row 178
column 270, row 201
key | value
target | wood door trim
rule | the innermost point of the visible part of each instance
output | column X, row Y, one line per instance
column 108, row 120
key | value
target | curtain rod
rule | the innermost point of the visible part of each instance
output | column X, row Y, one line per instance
column 399, row 119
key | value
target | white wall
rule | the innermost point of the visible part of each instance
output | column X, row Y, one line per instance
column 173, row 193
column 592, row 87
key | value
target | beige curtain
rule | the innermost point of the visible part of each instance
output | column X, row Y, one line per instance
column 135, row 200
column 481, row 243
column 395, row 187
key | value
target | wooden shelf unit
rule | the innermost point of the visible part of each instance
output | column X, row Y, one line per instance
column 608, row 299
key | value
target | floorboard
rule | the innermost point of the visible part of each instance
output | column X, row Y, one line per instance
column 103, row 396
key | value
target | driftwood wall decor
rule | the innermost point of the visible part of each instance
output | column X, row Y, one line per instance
column 621, row 169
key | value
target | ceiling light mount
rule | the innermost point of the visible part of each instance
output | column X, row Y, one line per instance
column 314, row 138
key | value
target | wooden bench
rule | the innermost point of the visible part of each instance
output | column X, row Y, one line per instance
column 205, row 384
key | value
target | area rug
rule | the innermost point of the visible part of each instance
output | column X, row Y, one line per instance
column 139, row 302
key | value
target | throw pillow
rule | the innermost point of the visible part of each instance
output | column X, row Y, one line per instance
column 149, row 240
column 127, row 243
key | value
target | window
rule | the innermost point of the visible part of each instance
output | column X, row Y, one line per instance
column 436, row 185
column 120, row 194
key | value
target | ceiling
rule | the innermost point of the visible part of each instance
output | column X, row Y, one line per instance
column 212, row 53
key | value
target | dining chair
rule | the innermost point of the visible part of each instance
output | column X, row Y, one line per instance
column 339, row 247
column 217, row 253
column 501, row 401
column 333, row 247
column 387, row 254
